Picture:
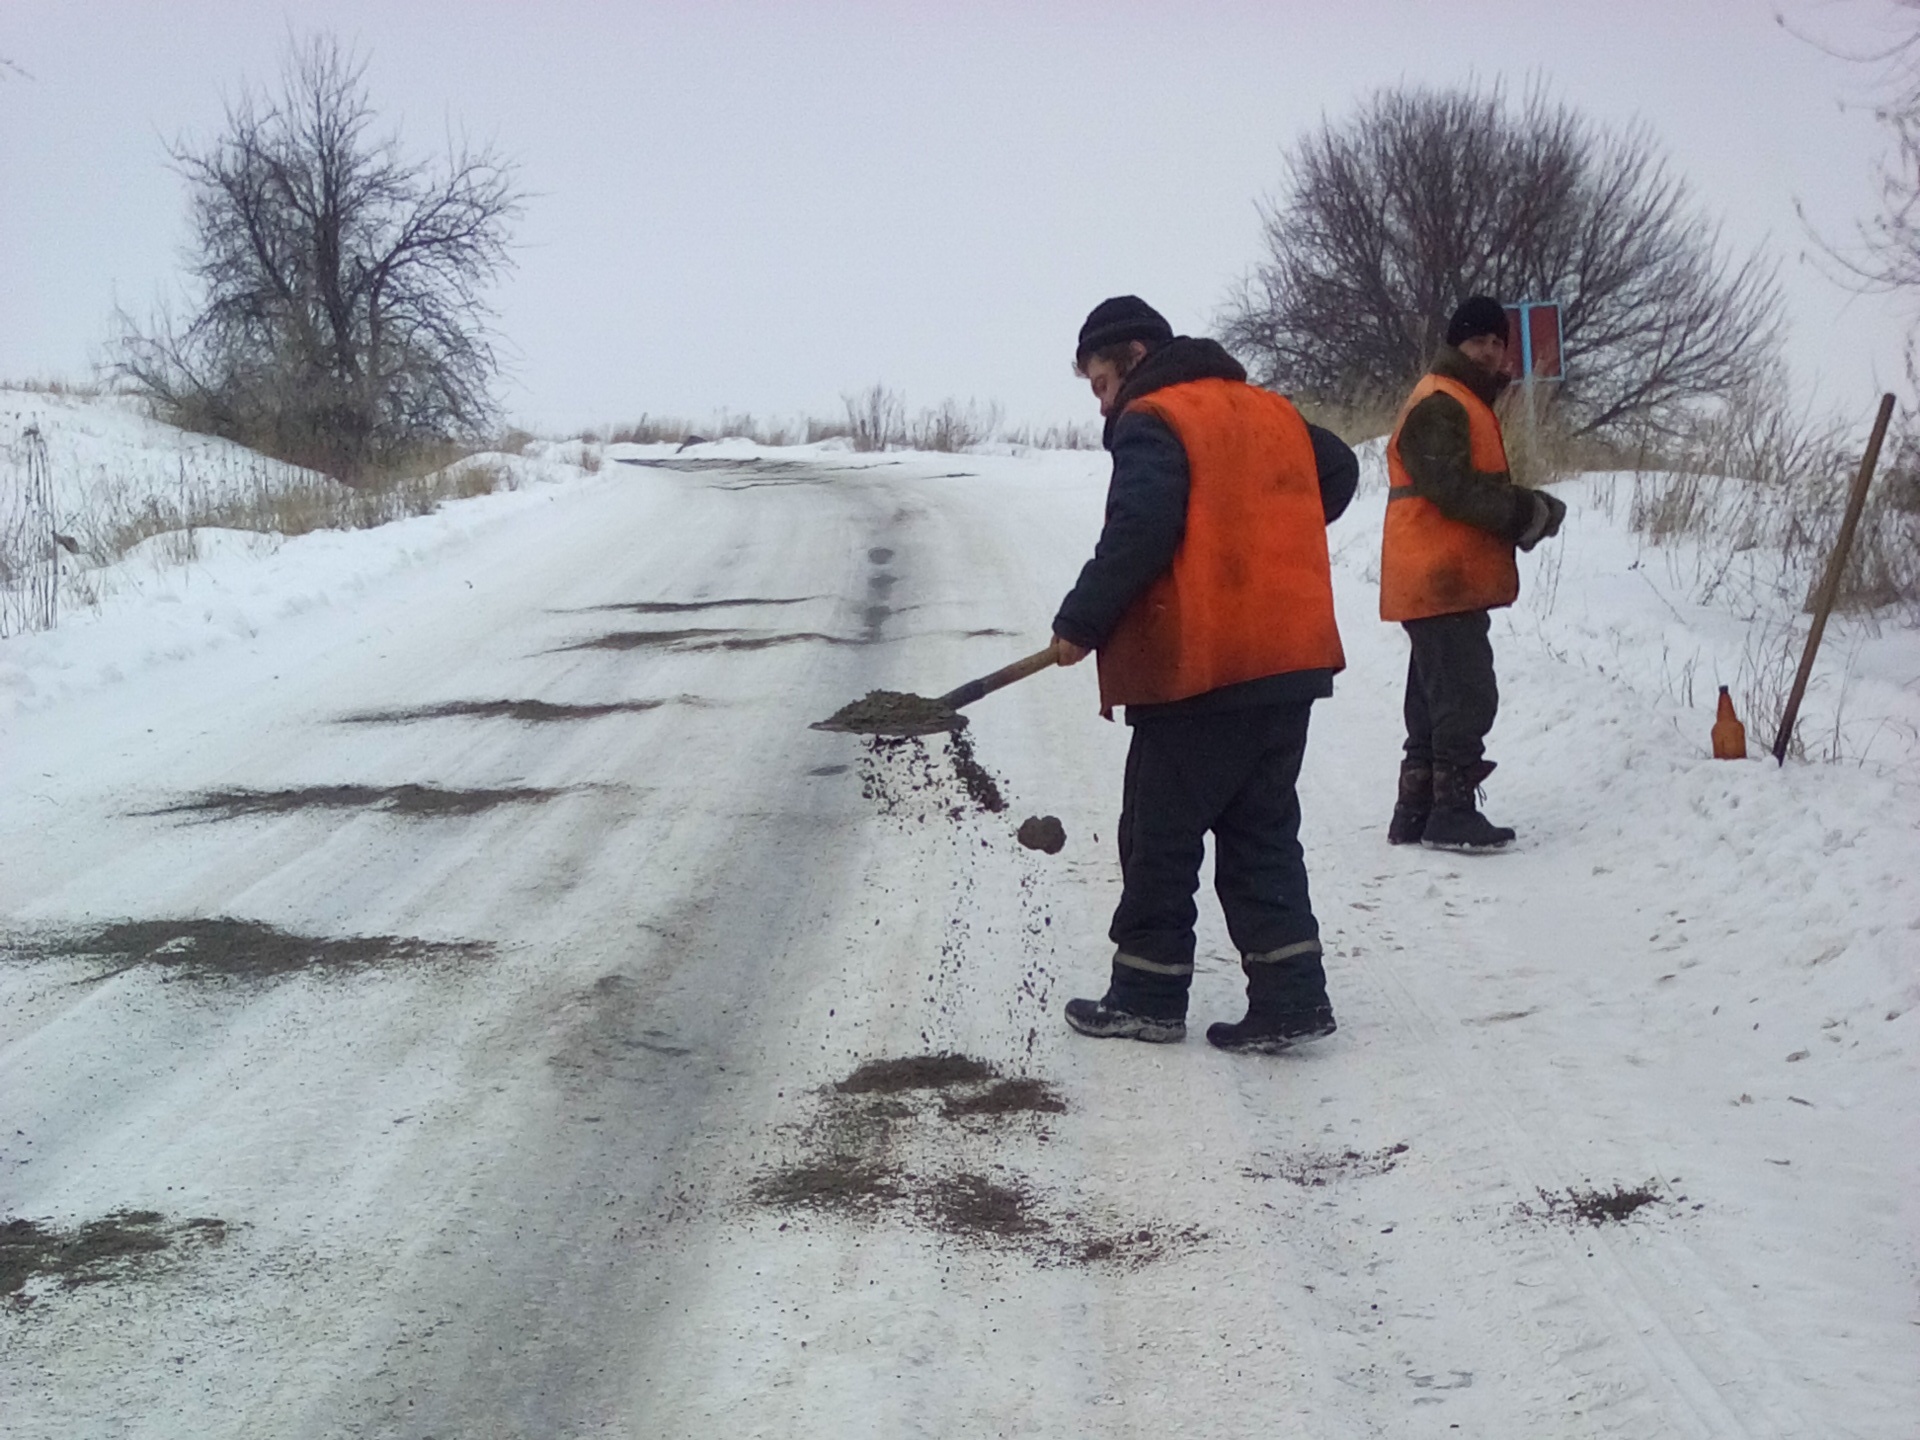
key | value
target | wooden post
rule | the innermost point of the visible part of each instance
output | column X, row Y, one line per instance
column 1830, row 583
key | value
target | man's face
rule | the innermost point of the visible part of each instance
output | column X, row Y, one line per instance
column 1489, row 352
column 1106, row 377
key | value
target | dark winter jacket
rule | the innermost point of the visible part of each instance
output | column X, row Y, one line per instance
column 1146, row 521
column 1437, row 453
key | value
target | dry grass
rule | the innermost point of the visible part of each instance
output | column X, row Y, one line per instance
column 1760, row 488
column 214, row 491
column 1354, row 421
column 875, row 419
column 1081, row 435
column 1540, row 450
column 74, row 389
column 726, row 425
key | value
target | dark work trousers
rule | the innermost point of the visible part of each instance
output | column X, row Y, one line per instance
column 1451, row 695
column 1232, row 773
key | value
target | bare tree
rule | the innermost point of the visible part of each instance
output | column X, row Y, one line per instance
column 1884, row 256
column 1389, row 218
column 340, row 317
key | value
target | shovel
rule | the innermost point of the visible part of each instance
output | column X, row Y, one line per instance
column 890, row 712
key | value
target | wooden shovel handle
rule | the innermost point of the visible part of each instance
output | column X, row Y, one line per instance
column 987, row 684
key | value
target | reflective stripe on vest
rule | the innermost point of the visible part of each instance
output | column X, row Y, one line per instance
column 1250, row 592
column 1429, row 564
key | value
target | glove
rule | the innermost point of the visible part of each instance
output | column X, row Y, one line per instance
column 1547, row 515
column 1556, row 514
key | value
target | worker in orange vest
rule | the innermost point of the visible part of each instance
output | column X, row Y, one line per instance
column 1210, row 603
column 1454, row 518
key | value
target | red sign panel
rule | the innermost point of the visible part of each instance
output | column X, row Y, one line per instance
column 1533, row 340
column 1543, row 342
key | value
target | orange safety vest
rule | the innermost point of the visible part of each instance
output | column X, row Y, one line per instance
column 1250, row 591
column 1429, row 564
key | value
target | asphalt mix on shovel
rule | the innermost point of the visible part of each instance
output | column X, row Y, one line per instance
column 894, row 714
column 922, row 1140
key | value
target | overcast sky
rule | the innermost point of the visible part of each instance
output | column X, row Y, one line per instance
column 763, row 206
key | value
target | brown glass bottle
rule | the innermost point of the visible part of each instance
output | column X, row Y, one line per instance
column 1729, row 735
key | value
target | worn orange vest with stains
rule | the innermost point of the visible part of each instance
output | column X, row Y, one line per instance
column 1250, row 591
column 1430, row 565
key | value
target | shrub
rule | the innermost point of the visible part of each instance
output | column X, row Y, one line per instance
column 339, row 321
column 876, row 418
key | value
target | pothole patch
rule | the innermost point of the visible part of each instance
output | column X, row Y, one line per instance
column 413, row 801
column 38, row 1258
column 693, row 607
column 1013, row 1095
column 524, row 712
column 915, row 1072
column 925, row 1140
column 1582, row 1205
column 1317, row 1168
column 699, row 640
column 221, row 948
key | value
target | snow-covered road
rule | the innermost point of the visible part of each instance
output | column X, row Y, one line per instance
column 570, row 1155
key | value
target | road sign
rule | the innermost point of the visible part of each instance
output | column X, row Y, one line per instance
column 1533, row 340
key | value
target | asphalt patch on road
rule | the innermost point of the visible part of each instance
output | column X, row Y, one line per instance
column 412, row 801
column 1014, row 1095
column 926, row 1140
column 222, row 948
column 969, row 1205
column 37, row 1259
column 915, row 1072
column 1317, row 1168
column 690, row 607
column 704, row 639
column 695, row 465
column 695, row 637
column 1579, row 1205
column 840, row 1183
column 525, row 712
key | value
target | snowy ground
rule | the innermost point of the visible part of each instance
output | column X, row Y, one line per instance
column 513, row 1178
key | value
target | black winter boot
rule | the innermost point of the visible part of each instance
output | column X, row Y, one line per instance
column 1287, row 1004
column 1456, row 822
column 1105, row 1020
column 1414, row 804
column 1143, row 1002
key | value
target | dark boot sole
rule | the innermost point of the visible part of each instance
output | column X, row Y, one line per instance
column 1132, row 1027
column 1268, row 1044
column 1464, row 847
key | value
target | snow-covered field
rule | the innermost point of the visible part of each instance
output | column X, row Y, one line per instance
column 567, row 1153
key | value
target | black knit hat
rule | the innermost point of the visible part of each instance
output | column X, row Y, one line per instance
column 1115, row 321
column 1477, row 315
